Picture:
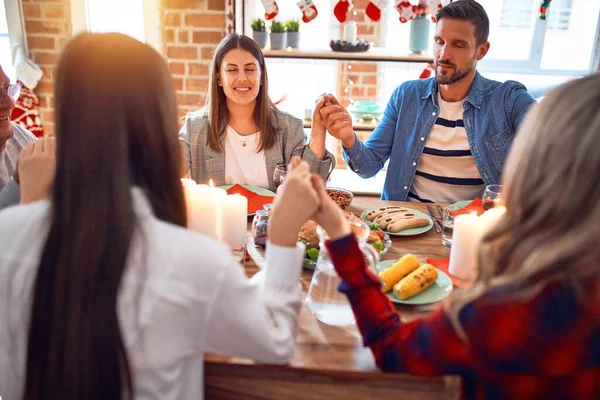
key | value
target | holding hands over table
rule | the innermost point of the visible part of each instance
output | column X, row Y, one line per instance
column 337, row 120
column 36, row 170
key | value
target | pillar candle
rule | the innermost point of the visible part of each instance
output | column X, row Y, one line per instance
column 234, row 222
column 465, row 246
column 188, row 182
column 490, row 218
column 350, row 32
column 204, row 209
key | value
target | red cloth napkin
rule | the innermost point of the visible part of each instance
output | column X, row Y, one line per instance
column 476, row 205
column 442, row 265
column 255, row 201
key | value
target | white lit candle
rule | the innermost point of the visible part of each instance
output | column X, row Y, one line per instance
column 204, row 209
column 490, row 218
column 350, row 32
column 234, row 222
column 465, row 245
column 188, row 182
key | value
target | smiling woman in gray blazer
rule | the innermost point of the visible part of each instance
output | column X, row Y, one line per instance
column 240, row 136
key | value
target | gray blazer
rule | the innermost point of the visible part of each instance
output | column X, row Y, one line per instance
column 202, row 163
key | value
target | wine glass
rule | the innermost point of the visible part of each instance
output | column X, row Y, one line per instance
column 279, row 174
column 492, row 196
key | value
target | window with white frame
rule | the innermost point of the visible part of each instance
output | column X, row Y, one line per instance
column 136, row 18
column 11, row 33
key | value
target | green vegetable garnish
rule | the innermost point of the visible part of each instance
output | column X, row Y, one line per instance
column 313, row 254
column 373, row 226
column 305, row 242
column 378, row 245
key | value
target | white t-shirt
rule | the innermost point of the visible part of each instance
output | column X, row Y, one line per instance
column 447, row 172
column 243, row 164
column 182, row 294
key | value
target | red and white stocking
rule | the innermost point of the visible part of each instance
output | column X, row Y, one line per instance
column 374, row 8
column 309, row 11
column 435, row 6
column 271, row 9
column 405, row 9
column 341, row 9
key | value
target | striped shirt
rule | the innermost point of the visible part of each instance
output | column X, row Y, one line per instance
column 447, row 172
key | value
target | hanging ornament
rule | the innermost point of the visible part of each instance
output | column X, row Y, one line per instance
column 374, row 9
column 309, row 11
column 544, row 6
column 341, row 10
column 271, row 9
column 406, row 10
column 435, row 6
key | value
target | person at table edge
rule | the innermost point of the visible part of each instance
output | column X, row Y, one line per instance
column 528, row 326
column 13, row 138
column 446, row 137
column 241, row 136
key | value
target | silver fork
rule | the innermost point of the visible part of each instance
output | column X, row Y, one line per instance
column 436, row 222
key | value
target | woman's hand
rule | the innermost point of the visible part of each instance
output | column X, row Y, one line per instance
column 295, row 203
column 329, row 215
column 338, row 121
column 37, row 167
column 318, row 124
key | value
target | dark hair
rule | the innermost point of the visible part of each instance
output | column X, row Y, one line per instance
column 468, row 10
column 116, row 125
column 216, row 101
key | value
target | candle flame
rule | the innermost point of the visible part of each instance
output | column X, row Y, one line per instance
column 211, row 183
column 473, row 213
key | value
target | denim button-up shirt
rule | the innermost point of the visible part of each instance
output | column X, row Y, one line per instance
column 492, row 113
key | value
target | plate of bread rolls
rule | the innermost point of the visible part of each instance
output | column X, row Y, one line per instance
column 398, row 221
column 407, row 281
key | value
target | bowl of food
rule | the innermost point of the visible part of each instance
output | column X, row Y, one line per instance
column 308, row 235
column 342, row 197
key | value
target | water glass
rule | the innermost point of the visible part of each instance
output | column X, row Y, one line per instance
column 492, row 196
column 447, row 227
column 279, row 174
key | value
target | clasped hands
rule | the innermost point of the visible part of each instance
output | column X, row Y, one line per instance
column 302, row 197
column 329, row 115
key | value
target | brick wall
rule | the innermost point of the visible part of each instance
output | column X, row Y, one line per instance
column 191, row 30
column 48, row 28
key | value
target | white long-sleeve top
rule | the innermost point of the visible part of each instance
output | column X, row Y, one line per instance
column 182, row 295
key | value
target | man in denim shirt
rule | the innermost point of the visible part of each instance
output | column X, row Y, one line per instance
column 446, row 137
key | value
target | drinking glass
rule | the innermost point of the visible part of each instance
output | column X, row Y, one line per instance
column 492, row 196
column 279, row 174
column 447, row 227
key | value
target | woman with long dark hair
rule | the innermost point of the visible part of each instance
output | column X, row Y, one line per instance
column 240, row 136
column 103, row 293
column 529, row 325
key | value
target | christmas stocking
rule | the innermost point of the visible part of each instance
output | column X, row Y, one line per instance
column 341, row 10
column 309, row 11
column 405, row 9
column 435, row 6
column 271, row 9
column 374, row 8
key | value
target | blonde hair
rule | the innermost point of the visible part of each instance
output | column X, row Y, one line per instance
column 552, row 195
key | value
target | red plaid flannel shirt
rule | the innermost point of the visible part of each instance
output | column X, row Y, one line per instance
column 544, row 348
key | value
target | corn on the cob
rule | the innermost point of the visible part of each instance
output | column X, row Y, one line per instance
column 416, row 282
column 404, row 266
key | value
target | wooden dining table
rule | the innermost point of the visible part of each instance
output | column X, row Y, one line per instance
column 330, row 362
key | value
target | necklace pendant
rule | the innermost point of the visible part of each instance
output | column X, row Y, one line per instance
column 244, row 144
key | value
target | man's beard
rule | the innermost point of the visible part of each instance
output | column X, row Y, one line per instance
column 455, row 77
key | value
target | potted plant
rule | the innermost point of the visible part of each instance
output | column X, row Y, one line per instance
column 278, row 36
column 419, row 29
column 293, row 33
column 259, row 32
